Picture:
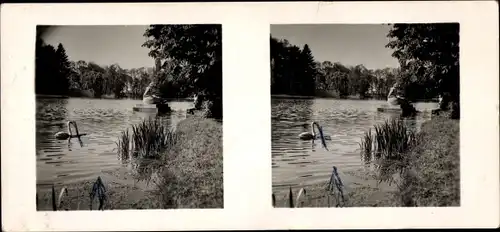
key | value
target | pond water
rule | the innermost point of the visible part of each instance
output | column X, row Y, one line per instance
column 299, row 163
column 60, row 162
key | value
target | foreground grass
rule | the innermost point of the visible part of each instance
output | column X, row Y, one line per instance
column 119, row 196
column 430, row 176
column 189, row 167
column 433, row 178
column 317, row 197
column 193, row 175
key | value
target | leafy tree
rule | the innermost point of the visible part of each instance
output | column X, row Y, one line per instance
column 342, row 83
column 115, row 79
column 192, row 49
column 429, row 58
column 360, row 80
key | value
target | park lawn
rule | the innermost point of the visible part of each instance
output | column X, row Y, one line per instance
column 191, row 177
column 433, row 178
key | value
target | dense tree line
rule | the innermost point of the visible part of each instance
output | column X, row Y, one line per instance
column 355, row 80
column 295, row 72
column 88, row 78
column 55, row 74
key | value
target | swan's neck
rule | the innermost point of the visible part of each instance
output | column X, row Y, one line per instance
column 69, row 128
column 312, row 129
column 76, row 128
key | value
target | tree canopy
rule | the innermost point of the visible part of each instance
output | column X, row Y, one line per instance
column 429, row 57
column 191, row 60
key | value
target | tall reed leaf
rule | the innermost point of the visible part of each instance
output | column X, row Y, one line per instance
column 290, row 198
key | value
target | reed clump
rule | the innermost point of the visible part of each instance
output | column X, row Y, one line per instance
column 148, row 139
column 388, row 147
column 145, row 146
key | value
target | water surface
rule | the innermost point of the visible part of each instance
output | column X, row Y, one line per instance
column 299, row 163
column 60, row 162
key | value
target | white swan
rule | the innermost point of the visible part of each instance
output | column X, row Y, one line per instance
column 312, row 135
column 66, row 135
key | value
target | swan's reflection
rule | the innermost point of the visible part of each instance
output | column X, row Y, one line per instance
column 79, row 141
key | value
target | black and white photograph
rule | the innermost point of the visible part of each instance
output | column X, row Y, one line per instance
column 365, row 115
column 250, row 116
column 128, row 117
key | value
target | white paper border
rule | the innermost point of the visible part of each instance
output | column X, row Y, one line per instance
column 247, row 137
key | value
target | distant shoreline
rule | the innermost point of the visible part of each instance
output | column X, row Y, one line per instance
column 48, row 96
column 285, row 96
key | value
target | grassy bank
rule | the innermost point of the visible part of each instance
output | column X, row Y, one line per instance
column 433, row 178
column 190, row 173
column 426, row 173
column 193, row 177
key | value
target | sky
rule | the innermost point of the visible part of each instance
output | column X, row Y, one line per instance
column 349, row 44
column 103, row 45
